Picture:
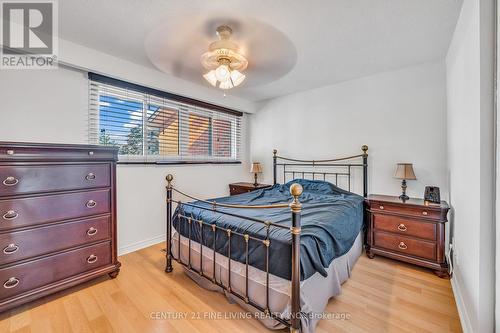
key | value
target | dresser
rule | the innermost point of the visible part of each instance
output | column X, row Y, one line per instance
column 412, row 231
column 57, row 218
column 243, row 187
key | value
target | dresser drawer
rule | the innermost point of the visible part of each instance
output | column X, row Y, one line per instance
column 39, row 210
column 29, row 152
column 31, row 243
column 16, row 180
column 403, row 226
column 405, row 245
column 34, row 274
column 408, row 210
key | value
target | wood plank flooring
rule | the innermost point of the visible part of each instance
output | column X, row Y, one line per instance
column 381, row 296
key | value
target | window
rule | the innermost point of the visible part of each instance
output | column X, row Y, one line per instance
column 152, row 126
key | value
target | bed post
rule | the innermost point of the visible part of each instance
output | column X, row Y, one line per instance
column 364, row 148
column 274, row 165
column 296, row 207
column 168, row 267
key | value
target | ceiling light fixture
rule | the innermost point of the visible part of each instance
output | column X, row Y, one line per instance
column 223, row 61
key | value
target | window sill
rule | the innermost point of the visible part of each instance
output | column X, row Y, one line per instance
column 176, row 162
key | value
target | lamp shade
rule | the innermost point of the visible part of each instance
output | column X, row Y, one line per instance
column 256, row 168
column 405, row 171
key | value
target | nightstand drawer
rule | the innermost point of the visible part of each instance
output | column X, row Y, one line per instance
column 396, row 224
column 423, row 212
column 405, row 245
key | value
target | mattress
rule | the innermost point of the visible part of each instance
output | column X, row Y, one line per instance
column 315, row 291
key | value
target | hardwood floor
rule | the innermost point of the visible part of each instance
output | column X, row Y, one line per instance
column 381, row 296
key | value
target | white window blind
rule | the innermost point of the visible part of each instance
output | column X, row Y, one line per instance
column 147, row 127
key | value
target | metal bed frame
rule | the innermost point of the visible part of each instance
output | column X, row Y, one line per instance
column 341, row 167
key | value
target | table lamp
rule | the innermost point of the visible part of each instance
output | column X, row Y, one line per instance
column 404, row 171
column 256, row 169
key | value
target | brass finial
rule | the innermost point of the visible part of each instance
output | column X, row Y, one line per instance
column 275, row 152
column 169, row 179
column 296, row 191
column 364, row 148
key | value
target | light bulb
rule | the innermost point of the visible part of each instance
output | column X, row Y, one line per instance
column 226, row 84
column 237, row 77
column 222, row 73
column 211, row 78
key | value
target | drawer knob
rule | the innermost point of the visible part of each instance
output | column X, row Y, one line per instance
column 92, row 231
column 402, row 246
column 381, row 207
column 91, row 204
column 10, row 249
column 11, row 283
column 10, row 152
column 402, row 227
column 91, row 153
column 92, row 259
column 424, row 213
column 90, row 176
column 10, row 215
column 10, row 181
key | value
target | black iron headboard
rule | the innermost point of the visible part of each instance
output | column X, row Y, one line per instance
column 339, row 167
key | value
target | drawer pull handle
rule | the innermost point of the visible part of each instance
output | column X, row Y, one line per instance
column 92, row 231
column 10, row 181
column 90, row 176
column 92, row 259
column 381, row 207
column 402, row 227
column 402, row 246
column 91, row 204
column 91, row 153
column 10, row 215
column 424, row 213
column 11, row 248
column 11, row 283
column 10, row 152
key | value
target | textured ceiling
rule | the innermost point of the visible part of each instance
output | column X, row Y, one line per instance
column 291, row 45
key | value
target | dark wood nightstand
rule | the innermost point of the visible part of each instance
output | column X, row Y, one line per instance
column 243, row 187
column 412, row 231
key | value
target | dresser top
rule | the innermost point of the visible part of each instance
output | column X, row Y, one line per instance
column 41, row 152
column 409, row 202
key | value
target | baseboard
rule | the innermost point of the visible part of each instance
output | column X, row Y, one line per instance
column 140, row 245
column 462, row 311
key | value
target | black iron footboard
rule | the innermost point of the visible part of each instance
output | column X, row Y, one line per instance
column 232, row 235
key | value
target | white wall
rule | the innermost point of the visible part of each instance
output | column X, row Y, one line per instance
column 400, row 115
column 470, row 159
column 52, row 106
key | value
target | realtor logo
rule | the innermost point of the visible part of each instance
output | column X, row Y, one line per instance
column 29, row 34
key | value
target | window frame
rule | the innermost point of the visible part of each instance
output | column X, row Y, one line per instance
column 152, row 97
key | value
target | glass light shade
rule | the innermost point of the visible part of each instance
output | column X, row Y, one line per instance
column 211, row 78
column 222, row 73
column 226, row 84
column 237, row 77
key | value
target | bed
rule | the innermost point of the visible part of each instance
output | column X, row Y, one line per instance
column 282, row 252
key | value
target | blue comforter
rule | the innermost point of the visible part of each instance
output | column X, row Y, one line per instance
column 331, row 220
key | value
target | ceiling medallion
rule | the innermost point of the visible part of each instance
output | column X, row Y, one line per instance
column 223, row 62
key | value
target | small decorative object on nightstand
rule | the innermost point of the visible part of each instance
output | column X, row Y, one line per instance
column 412, row 231
column 243, row 187
column 404, row 171
column 256, row 169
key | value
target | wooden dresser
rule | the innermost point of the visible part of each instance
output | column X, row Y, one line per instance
column 412, row 231
column 57, row 218
column 243, row 187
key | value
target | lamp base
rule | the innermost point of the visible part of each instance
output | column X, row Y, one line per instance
column 255, row 180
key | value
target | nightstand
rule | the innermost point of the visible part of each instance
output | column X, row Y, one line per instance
column 243, row 187
column 412, row 231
